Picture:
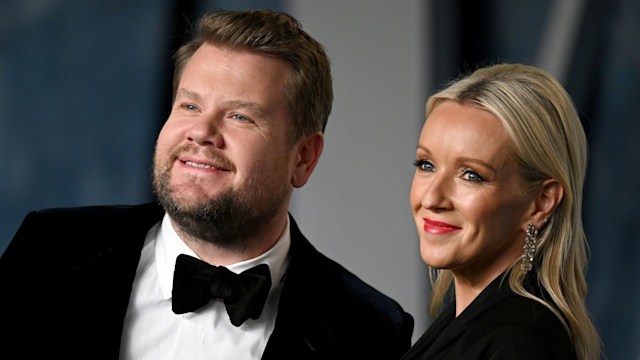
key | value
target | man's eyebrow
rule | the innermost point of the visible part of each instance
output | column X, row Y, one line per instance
column 191, row 95
column 243, row 105
column 231, row 104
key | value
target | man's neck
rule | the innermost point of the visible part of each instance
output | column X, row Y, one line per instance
column 264, row 237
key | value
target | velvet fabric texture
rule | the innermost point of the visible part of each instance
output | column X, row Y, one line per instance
column 66, row 279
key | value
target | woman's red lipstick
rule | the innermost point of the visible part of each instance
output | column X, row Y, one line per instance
column 438, row 227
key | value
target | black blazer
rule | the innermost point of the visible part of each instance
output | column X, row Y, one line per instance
column 498, row 324
column 66, row 278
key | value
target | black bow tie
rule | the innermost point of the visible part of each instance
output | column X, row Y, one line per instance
column 195, row 282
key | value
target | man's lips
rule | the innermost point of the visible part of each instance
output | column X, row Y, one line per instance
column 206, row 161
column 203, row 165
column 189, row 155
column 438, row 227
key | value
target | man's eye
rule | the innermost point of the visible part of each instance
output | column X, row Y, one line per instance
column 424, row 165
column 239, row 117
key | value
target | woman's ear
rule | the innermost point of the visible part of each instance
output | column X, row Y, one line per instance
column 307, row 154
column 546, row 201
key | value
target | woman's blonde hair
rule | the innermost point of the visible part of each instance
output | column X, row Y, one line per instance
column 549, row 142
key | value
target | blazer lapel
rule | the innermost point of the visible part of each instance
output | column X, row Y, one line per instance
column 433, row 334
column 450, row 329
column 116, row 236
column 85, row 271
column 300, row 331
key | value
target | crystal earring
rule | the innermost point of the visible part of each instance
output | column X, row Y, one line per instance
column 529, row 249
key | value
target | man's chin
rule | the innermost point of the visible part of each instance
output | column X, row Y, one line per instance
column 190, row 196
column 191, row 205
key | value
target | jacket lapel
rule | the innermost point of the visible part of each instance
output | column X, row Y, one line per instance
column 300, row 331
column 449, row 329
column 108, row 270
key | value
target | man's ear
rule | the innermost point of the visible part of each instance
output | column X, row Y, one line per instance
column 547, row 200
column 307, row 154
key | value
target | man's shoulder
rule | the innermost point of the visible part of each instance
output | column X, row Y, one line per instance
column 350, row 309
column 77, row 229
column 353, row 286
column 96, row 210
column 322, row 279
column 63, row 216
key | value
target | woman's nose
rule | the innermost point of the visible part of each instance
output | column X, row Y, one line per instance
column 435, row 194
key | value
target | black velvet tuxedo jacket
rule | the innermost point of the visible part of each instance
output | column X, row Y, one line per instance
column 498, row 324
column 66, row 278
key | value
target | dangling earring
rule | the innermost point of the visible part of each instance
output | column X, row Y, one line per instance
column 529, row 248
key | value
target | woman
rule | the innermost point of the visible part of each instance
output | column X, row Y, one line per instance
column 497, row 198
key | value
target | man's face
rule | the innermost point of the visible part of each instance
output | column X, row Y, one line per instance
column 223, row 163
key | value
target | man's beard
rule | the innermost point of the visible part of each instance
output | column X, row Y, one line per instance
column 229, row 219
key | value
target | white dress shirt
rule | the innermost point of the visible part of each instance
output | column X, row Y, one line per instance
column 151, row 329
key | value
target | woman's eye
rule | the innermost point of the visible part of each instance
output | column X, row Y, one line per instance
column 189, row 107
column 472, row 176
column 424, row 165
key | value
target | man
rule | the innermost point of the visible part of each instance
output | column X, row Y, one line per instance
column 252, row 94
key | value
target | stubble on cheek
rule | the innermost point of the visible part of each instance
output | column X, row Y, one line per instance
column 162, row 178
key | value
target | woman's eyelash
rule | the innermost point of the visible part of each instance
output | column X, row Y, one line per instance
column 468, row 174
column 423, row 164
column 472, row 176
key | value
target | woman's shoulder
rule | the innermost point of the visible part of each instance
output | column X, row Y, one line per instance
column 523, row 311
column 521, row 326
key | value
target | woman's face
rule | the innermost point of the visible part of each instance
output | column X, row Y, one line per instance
column 466, row 196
